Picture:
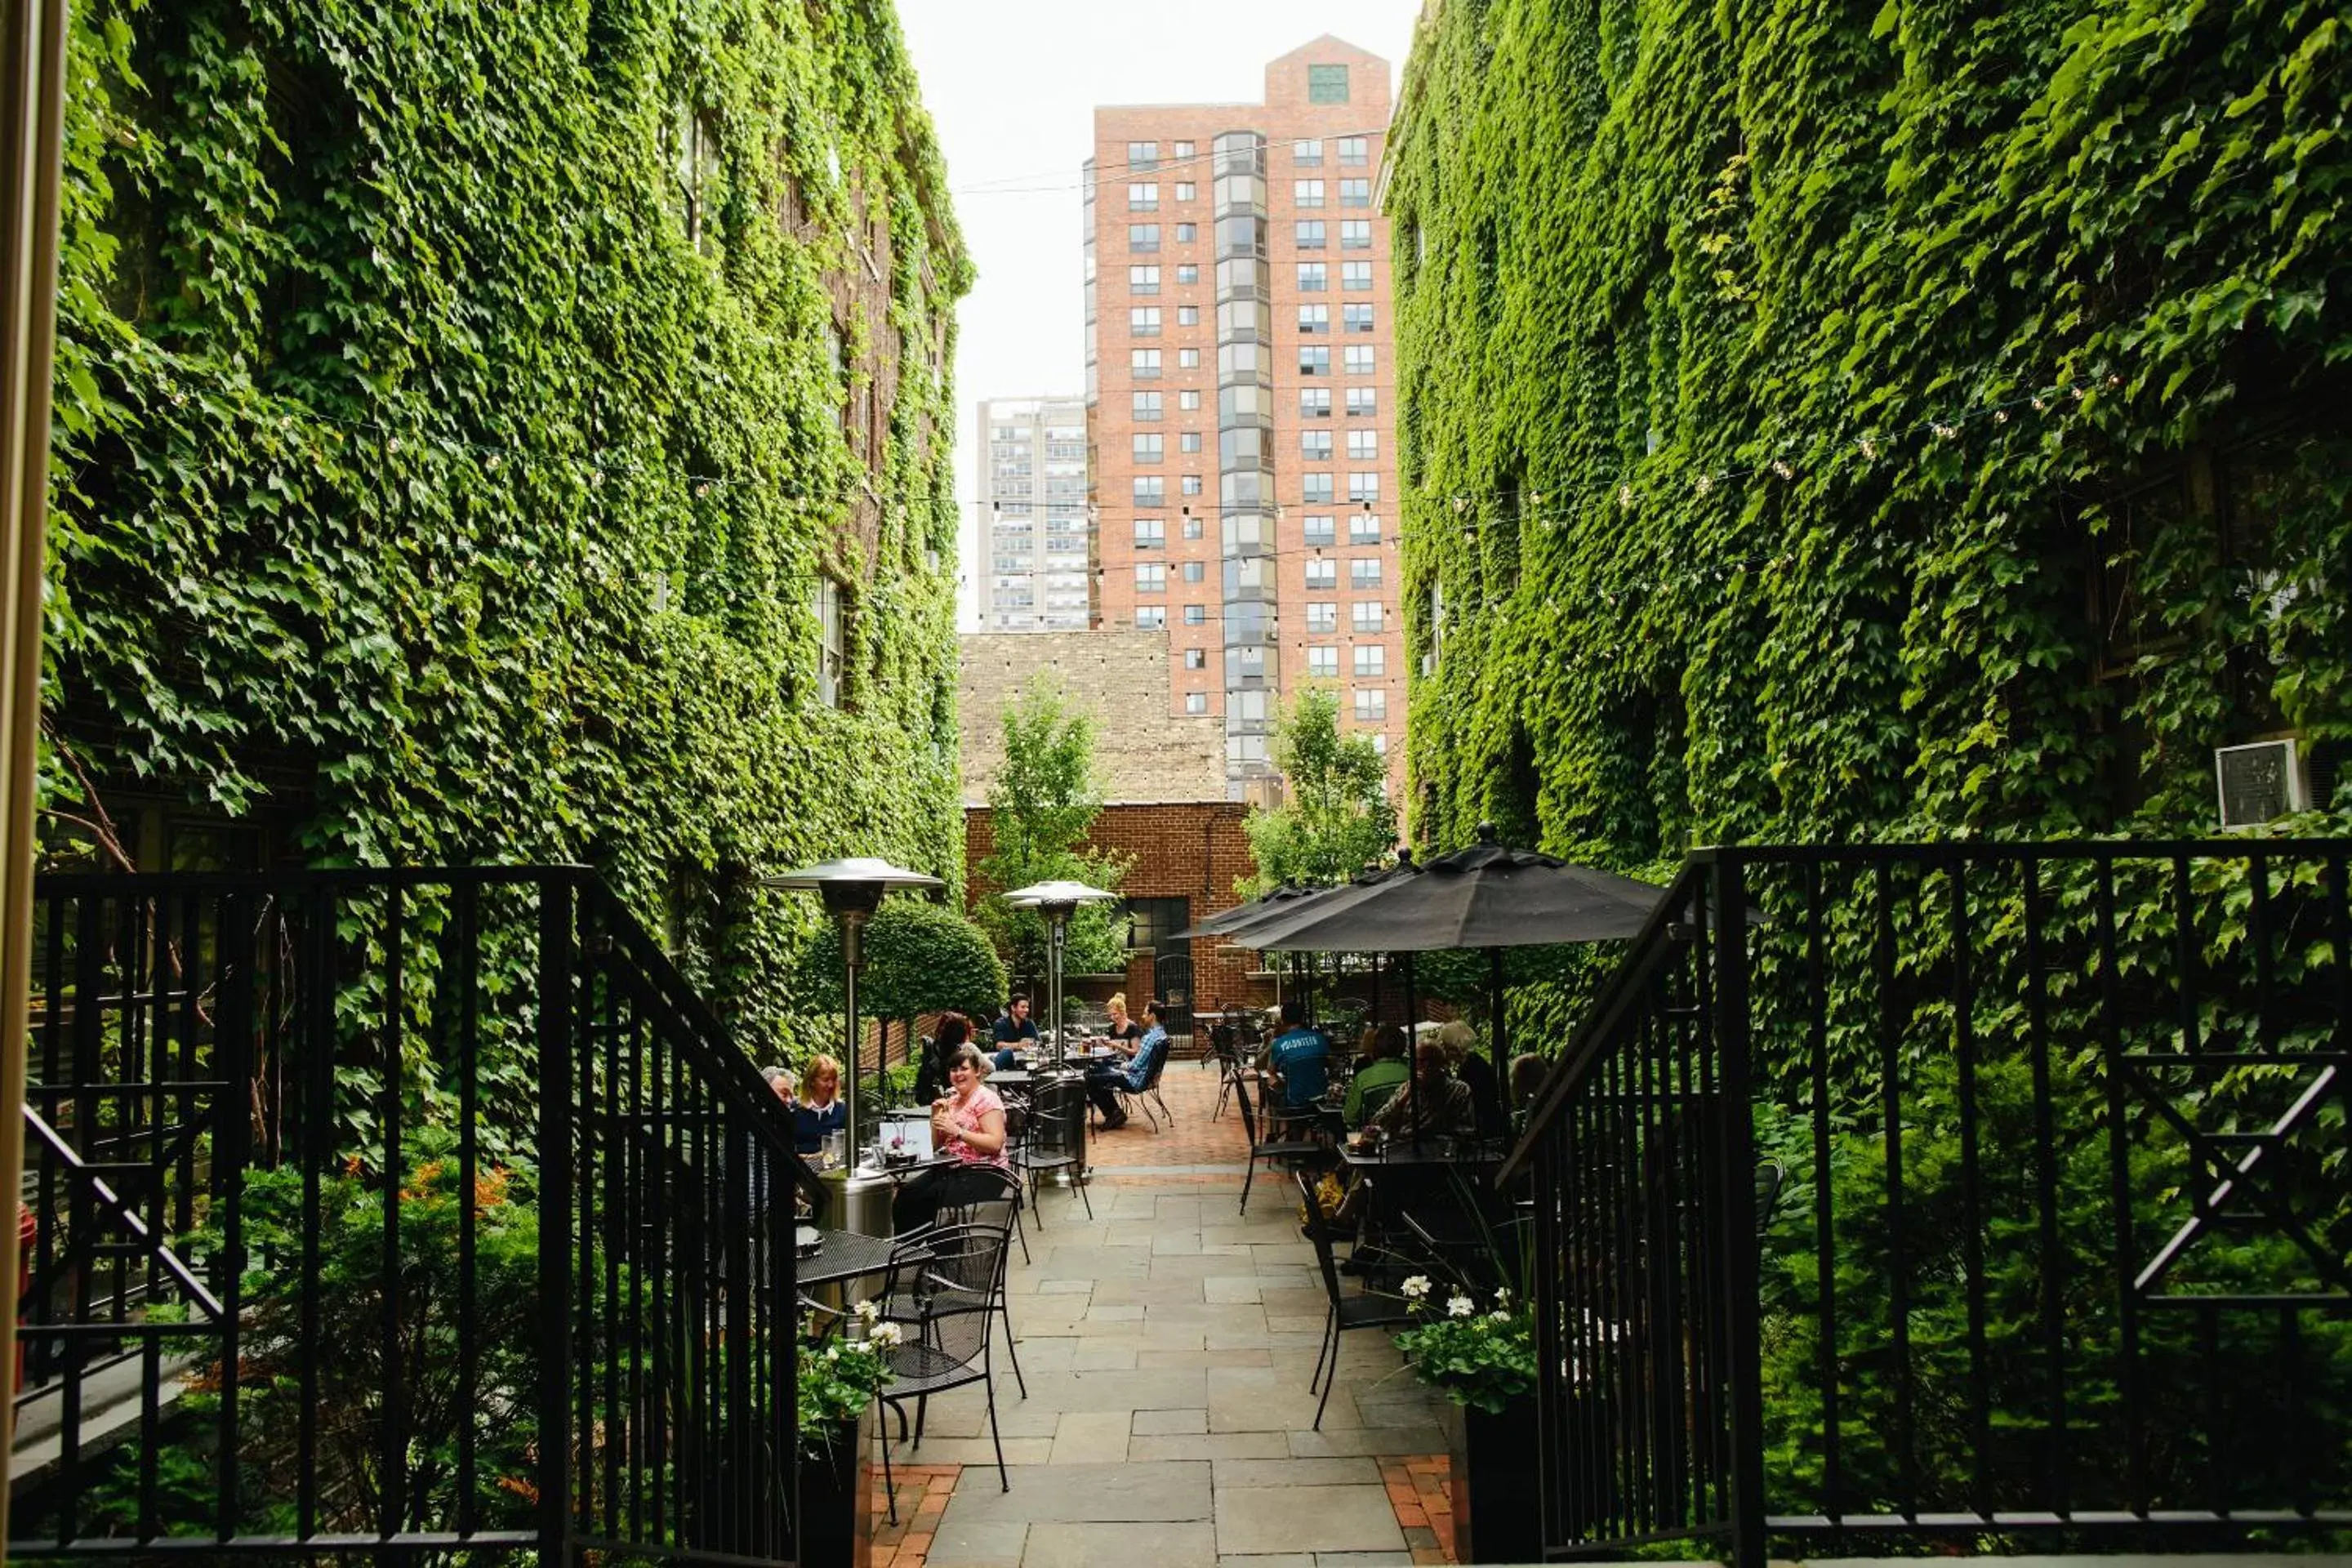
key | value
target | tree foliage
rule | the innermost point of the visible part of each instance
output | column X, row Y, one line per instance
column 920, row 957
column 458, row 411
column 1883, row 420
column 1334, row 817
column 1040, row 806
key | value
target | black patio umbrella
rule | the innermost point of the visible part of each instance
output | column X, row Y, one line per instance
column 1487, row 896
column 1280, row 899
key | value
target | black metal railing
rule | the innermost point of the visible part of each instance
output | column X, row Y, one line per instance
column 1955, row 1191
column 399, row 1212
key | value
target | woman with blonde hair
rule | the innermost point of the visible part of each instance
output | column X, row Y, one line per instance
column 1123, row 1031
column 819, row 1110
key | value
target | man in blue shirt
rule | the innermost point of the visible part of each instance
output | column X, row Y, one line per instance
column 1301, row 1057
column 1106, row 1076
column 1010, row 1031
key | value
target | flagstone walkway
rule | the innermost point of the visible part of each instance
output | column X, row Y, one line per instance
column 1167, row 1344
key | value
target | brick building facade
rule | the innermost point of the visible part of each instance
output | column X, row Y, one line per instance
column 1120, row 681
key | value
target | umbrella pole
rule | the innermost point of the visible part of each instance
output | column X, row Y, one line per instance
column 1411, row 1057
column 1495, row 986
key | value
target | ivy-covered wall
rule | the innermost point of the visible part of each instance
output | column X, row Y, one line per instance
column 460, row 410
column 1826, row 418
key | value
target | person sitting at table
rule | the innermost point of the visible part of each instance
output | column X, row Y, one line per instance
column 931, row 1074
column 1012, row 1032
column 1300, row 1057
column 819, row 1110
column 1129, row 1066
column 1123, row 1031
column 1528, row 1073
column 1435, row 1105
column 967, row 1130
column 1474, row 1070
column 1380, row 1077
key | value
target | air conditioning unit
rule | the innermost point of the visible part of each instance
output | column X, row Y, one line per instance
column 2259, row 782
column 1429, row 664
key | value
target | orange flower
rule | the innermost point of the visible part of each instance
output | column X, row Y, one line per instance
column 521, row 1488
column 490, row 1189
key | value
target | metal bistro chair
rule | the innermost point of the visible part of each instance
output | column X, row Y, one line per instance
column 1050, row 1141
column 945, row 1308
column 1281, row 1143
column 1131, row 1100
column 1346, row 1311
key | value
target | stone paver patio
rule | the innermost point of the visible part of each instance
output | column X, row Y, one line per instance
column 1167, row 1344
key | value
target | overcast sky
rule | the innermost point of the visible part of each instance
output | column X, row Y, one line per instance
column 1013, row 86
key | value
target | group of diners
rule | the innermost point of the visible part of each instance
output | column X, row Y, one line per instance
column 1120, row 1057
column 1455, row 1089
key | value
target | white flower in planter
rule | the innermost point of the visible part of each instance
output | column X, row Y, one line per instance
column 888, row 1336
column 1416, row 1289
column 1499, row 1316
column 867, row 1310
column 1460, row 1307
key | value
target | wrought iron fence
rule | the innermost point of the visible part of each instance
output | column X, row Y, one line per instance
column 394, row 1212
column 1945, row 1191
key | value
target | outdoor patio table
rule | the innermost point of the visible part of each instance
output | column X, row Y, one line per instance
column 846, row 1254
column 1402, row 1155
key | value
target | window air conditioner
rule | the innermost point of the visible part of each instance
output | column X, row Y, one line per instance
column 1429, row 664
column 2259, row 782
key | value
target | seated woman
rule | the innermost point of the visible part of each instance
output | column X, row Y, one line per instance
column 967, row 1127
column 1124, row 1031
column 1129, row 1068
column 1377, row 1080
column 819, row 1110
column 1479, row 1074
column 1436, row 1104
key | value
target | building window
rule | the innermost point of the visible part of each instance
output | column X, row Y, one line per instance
column 1363, row 401
column 1364, row 445
column 1151, row 617
column 1314, row 403
column 1151, row 577
column 1326, row 84
column 1149, row 448
column 1143, row 281
column 1323, row 577
column 1188, row 315
column 1355, row 152
column 1318, row 530
column 1315, row 488
column 1314, row 361
column 1142, row 236
column 1186, row 190
column 1192, row 484
column 1363, row 528
column 1360, row 361
column 1196, row 658
column 1190, row 359
column 1363, row 489
column 1322, row 617
column 1183, row 149
column 1196, row 570
column 1188, row 400
column 1355, row 193
column 1323, row 663
column 1307, row 152
column 1145, row 405
column 1143, row 320
column 1189, row 441
column 1312, row 277
column 1364, row 573
column 1315, row 446
column 1314, row 317
column 1151, row 532
column 1307, row 193
column 1196, row 615
column 1192, row 529
column 1196, row 701
column 1355, row 233
column 1144, row 363
column 832, row 615
column 1143, row 154
column 1306, row 234
column 1371, row 659
column 1143, row 196
column 1186, row 272
column 1354, row 275
column 1150, row 489
column 1372, row 705
column 1356, row 318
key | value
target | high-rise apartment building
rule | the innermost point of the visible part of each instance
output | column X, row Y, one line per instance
column 1240, row 396
column 1032, row 515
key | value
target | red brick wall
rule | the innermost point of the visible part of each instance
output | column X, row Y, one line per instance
column 1180, row 849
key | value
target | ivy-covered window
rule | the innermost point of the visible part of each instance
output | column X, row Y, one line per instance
column 832, row 615
column 1326, row 84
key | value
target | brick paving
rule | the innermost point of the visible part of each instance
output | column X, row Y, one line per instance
column 1421, row 1491
column 923, row 1493
column 1198, row 1136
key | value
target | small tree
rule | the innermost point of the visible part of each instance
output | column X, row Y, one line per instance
column 1041, row 805
column 920, row 957
column 1334, row 817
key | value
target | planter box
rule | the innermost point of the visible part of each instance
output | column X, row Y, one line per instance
column 837, row 1518
column 1496, row 1518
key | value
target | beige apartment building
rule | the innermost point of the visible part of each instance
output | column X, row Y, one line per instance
column 1240, row 396
column 1032, row 515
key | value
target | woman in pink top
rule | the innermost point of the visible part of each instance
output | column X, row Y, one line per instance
column 967, row 1122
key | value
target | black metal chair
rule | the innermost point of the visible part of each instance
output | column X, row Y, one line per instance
column 945, row 1308
column 986, row 1195
column 1131, row 1100
column 1281, row 1142
column 1050, row 1140
column 1364, row 1312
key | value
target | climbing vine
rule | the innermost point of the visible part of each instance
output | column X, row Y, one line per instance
column 462, row 412
column 1824, row 420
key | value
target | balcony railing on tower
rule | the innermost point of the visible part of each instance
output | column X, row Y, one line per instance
column 379, row 1210
column 1914, row 1191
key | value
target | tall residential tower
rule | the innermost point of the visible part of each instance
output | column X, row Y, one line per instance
column 1241, row 392
column 1032, row 515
